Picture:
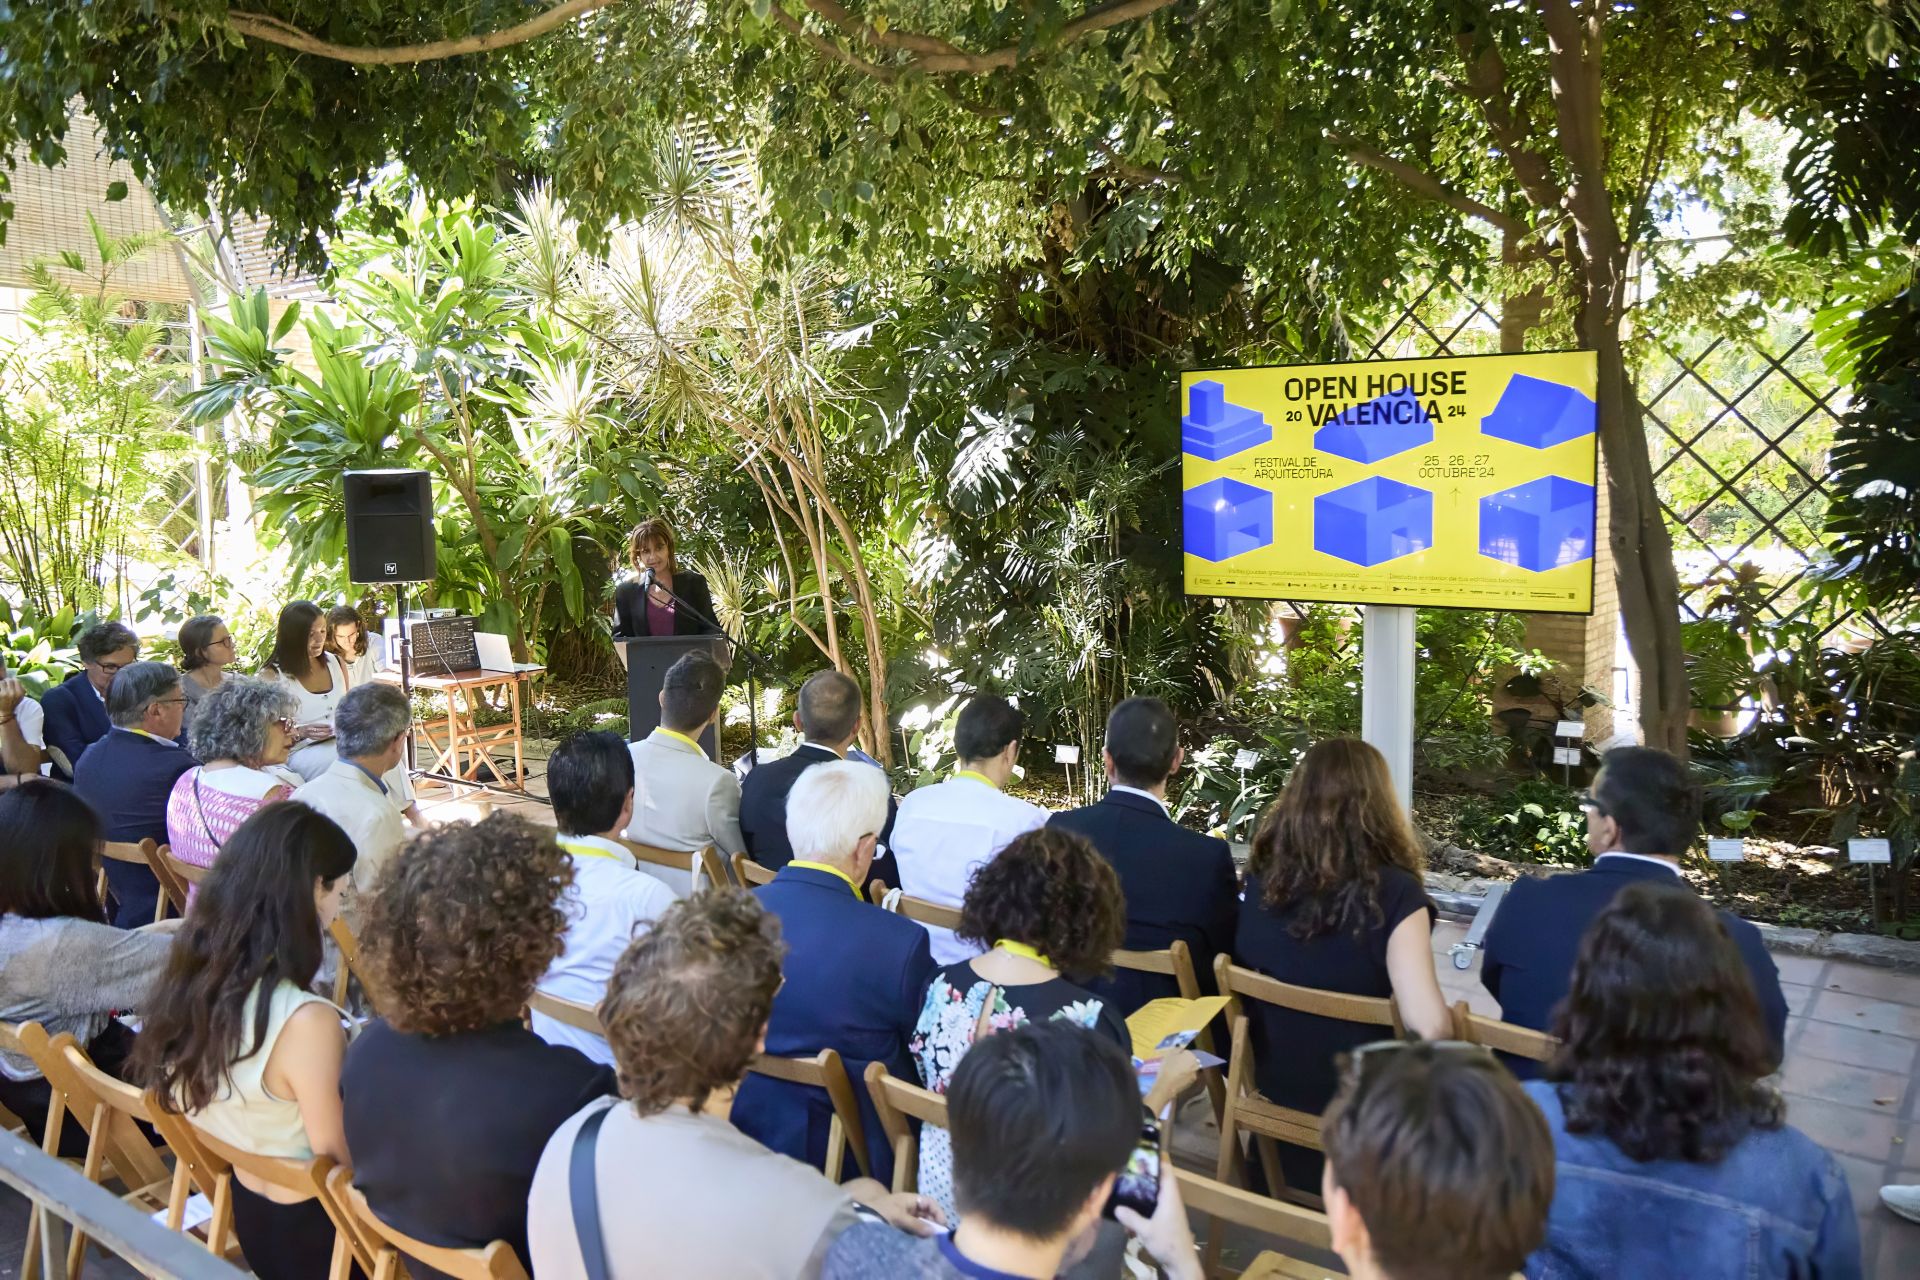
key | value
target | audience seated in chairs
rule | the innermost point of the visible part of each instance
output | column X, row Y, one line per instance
column 1047, row 906
column 448, row 1099
column 1178, row 883
column 357, row 789
column 683, row 801
column 1335, row 901
column 23, row 735
column 946, row 832
column 1437, row 1167
column 590, row 781
column 682, row 1193
column 206, row 651
column 76, row 709
column 827, row 713
column 856, row 974
column 1043, row 1121
column 128, row 775
column 61, row 964
column 1642, row 813
column 242, row 731
column 1662, row 1114
column 236, row 1040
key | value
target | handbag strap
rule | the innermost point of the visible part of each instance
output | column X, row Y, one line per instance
column 586, row 1196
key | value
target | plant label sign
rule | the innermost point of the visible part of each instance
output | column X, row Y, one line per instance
column 1245, row 758
column 1869, row 851
column 1566, row 755
column 1456, row 482
column 1064, row 754
column 1726, row 850
column 1570, row 729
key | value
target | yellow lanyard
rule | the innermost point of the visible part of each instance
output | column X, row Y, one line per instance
column 977, row 777
column 1013, row 948
column 675, row 733
column 583, row 850
column 143, row 733
column 832, row 871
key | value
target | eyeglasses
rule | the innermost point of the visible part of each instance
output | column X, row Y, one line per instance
column 1361, row 1066
column 112, row 668
column 226, row 640
column 1591, row 803
column 285, row 723
column 169, row 702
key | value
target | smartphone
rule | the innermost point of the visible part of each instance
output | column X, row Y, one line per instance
column 1138, row 1186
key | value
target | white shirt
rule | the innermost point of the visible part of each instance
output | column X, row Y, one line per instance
column 1136, row 791
column 1639, row 857
column 347, row 795
column 946, row 832
column 312, row 759
column 609, row 901
column 33, row 726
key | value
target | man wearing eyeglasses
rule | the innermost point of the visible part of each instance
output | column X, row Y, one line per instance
column 76, row 710
column 1642, row 813
column 127, row 776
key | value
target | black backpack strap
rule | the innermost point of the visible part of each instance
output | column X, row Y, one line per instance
column 586, row 1196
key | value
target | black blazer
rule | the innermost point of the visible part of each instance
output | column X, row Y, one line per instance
column 76, row 718
column 763, row 813
column 1536, row 934
column 1178, row 884
column 630, row 607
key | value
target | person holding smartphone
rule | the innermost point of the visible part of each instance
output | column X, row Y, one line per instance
column 1050, row 1139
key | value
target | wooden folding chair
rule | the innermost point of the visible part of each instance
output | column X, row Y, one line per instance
column 216, row 1162
column 895, row 1101
column 496, row 1261
column 693, row 865
column 1176, row 962
column 30, row 1040
column 582, row 1017
column 715, row 868
column 171, row 873
column 1295, row 1227
column 1502, row 1037
column 932, row 913
column 825, row 1071
column 343, row 937
column 748, row 873
column 142, row 855
column 1245, row 1108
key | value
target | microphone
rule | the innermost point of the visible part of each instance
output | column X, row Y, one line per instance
column 646, row 579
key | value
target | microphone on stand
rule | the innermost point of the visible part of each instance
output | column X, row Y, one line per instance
column 646, row 579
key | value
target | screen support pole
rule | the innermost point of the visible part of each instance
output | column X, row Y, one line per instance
column 1386, row 691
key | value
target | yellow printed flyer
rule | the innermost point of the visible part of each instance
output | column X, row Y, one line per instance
column 1459, row 482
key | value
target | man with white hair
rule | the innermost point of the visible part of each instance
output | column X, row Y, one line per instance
column 856, row 975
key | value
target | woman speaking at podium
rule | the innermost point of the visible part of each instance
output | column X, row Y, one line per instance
column 647, row 605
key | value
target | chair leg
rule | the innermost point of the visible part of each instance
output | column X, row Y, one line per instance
column 1270, row 1165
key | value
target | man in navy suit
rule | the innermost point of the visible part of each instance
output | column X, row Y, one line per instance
column 1642, row 813
column 856, row 975
column 828, row 717
column 127, row 776
column 76, row 709
column 1179, row 884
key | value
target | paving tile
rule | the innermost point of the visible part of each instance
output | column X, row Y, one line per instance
column 1853, row 1046
column 1843, row 1130
column 1867, row 1012
column 1877, row 984
column 1897, row 1256
column 1802, row 969
column 1799, row 996
column 1864, row 1180
column 1906, row 1148
column 1884, row 1092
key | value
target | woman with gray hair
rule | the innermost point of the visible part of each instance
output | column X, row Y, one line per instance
column 241, row 731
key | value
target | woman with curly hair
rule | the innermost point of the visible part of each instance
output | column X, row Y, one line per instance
column 1674, row 1155
column 242, row 732
column 448, row 1098
column 236, row 1040
column 686, row 1013
column 1335, row 902
column 1047, row 906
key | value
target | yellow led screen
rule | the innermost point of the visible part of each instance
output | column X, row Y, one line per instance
column 1457, row 483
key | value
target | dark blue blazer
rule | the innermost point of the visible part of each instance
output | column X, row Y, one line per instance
column 76, row 719
column 763, row 813
column 1178, row 883
column 856, row 978
column 1535, row 937
column 126, row 777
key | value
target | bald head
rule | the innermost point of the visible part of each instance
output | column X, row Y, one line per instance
column 829, row 710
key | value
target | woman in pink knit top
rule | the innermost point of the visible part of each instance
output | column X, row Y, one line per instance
column 241, row 732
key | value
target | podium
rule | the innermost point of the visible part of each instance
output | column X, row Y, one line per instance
column 647, row 659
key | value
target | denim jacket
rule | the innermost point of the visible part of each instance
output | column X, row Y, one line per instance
column 1776, row 1207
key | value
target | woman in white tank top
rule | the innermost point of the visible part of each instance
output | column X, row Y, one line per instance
column 235, row 1039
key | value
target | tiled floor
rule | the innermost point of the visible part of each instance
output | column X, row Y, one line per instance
column 1851, row 1079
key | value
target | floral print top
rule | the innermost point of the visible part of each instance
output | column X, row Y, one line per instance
column 945, row 1032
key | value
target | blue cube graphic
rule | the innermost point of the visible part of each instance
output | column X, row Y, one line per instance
column 1224, row 517
column 1214, row 428
column 1542, row 524
column 1373, row 521
column 1540, row 414
column 1378, row 428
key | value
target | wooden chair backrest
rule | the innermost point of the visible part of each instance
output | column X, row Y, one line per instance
column 141, row 854
column 826, row 1071
column 1503, row 1037
column 10, row 1042
column 672, row 859
column 581, row 1017
column 172, row 875
column 349, row 944
column 1240, row 984
column 496, row 1261
column 928, row 912
column 1289, row 1223
column 718, row 875
column 749, row 873
column 1175, row 961
column 306, row 1178
column 896, row 1102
